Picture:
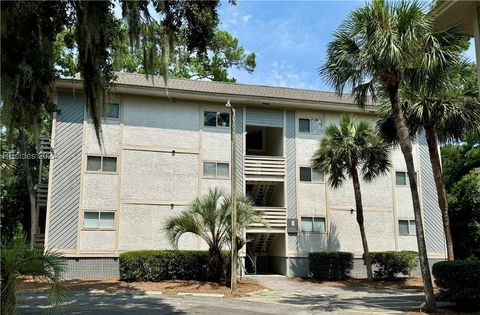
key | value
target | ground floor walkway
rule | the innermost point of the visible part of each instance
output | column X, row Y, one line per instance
column 286, row 296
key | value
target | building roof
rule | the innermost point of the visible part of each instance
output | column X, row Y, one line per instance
column 134, row 83
column 230, row 88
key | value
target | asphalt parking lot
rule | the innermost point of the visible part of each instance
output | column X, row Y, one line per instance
column 285, row 297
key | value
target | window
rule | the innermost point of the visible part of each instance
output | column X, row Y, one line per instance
column 98, row 220
column 101, row 163
column 313, row 224
column 313, row 126
column 406, row 227
column 113, row 110
column 309, row 175
column 304, row 125
column 214, row 169
column 216, row 119
column 401, row 178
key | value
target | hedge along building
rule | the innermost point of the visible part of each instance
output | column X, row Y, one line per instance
column 161, row 151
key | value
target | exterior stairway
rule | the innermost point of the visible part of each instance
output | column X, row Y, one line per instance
column 263, row 242
column 262, row 194
column 41, row 197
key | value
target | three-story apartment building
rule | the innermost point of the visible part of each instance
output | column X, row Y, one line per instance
column 163, row 147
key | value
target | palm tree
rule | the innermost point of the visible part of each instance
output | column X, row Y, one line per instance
column 375, row 48
column 345, row 149
column 19, row 261
column 209, row 217
column 444, row 112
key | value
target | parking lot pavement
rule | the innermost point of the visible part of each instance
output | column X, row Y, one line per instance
column 286, row 297
column 121, row 303
column 319, row 298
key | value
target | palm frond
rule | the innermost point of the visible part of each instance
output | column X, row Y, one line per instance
column 348, row 145
column 19, row 260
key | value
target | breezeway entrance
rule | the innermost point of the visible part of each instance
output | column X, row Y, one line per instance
column 265, row 253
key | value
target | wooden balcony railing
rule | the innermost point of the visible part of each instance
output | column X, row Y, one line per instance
column 273, row 217
column 257, row 165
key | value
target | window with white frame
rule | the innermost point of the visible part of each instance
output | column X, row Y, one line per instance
column 310, row 125
column 307, row 174
column 96, row 163
column 216, row 119
column 406, row 227
column 113, row 111
column 313, row 224
column 216, row 170
column 99, row 220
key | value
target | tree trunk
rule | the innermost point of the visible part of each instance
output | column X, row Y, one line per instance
column 31, row 192
column 215, row 264
column 406, row 147
column 358, row 203
column 440, row 186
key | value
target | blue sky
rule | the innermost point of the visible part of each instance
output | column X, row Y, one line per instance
column 288, row 37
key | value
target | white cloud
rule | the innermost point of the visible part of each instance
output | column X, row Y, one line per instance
column 246, row 18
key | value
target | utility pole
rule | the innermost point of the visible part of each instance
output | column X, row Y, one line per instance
column 233, row 273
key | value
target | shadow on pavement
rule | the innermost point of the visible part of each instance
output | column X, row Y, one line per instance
column 98, row 303
column 334, row 302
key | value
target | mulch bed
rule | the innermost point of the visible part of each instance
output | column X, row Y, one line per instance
column 166, row 287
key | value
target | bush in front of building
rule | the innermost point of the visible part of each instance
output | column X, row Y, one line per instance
column 158, row 265
column 330, row 266
column 459, row 282
column 390, row 264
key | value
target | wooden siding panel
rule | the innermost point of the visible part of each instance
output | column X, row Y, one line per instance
column 264, row 117
column 432, row 217
column 65, row 195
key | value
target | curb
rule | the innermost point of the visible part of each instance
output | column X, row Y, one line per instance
column 201, row 294
column 153, row 293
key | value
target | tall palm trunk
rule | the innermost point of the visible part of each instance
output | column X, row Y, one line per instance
column 440, row 186
column 31, row 192
column 406, row 147
column 359, row 205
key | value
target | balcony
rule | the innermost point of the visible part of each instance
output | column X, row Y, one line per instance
column 258, row 165
column 273, row 217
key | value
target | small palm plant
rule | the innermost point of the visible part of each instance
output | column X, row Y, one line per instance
column 19, row 261
column 209, row 217
column 347, row 149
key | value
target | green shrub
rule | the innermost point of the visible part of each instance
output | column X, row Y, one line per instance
column 392, row 263
column 158, row 265
column 459, row 281
column 330, row 266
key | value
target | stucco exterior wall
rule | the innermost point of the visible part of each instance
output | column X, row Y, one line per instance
column 378, row 228
column 159, row 176
column 142, row 227
column 158, row 122
column 376, row 194
column 92, row 241
column 110, row 138
column 312, row 199
column 100, row 191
